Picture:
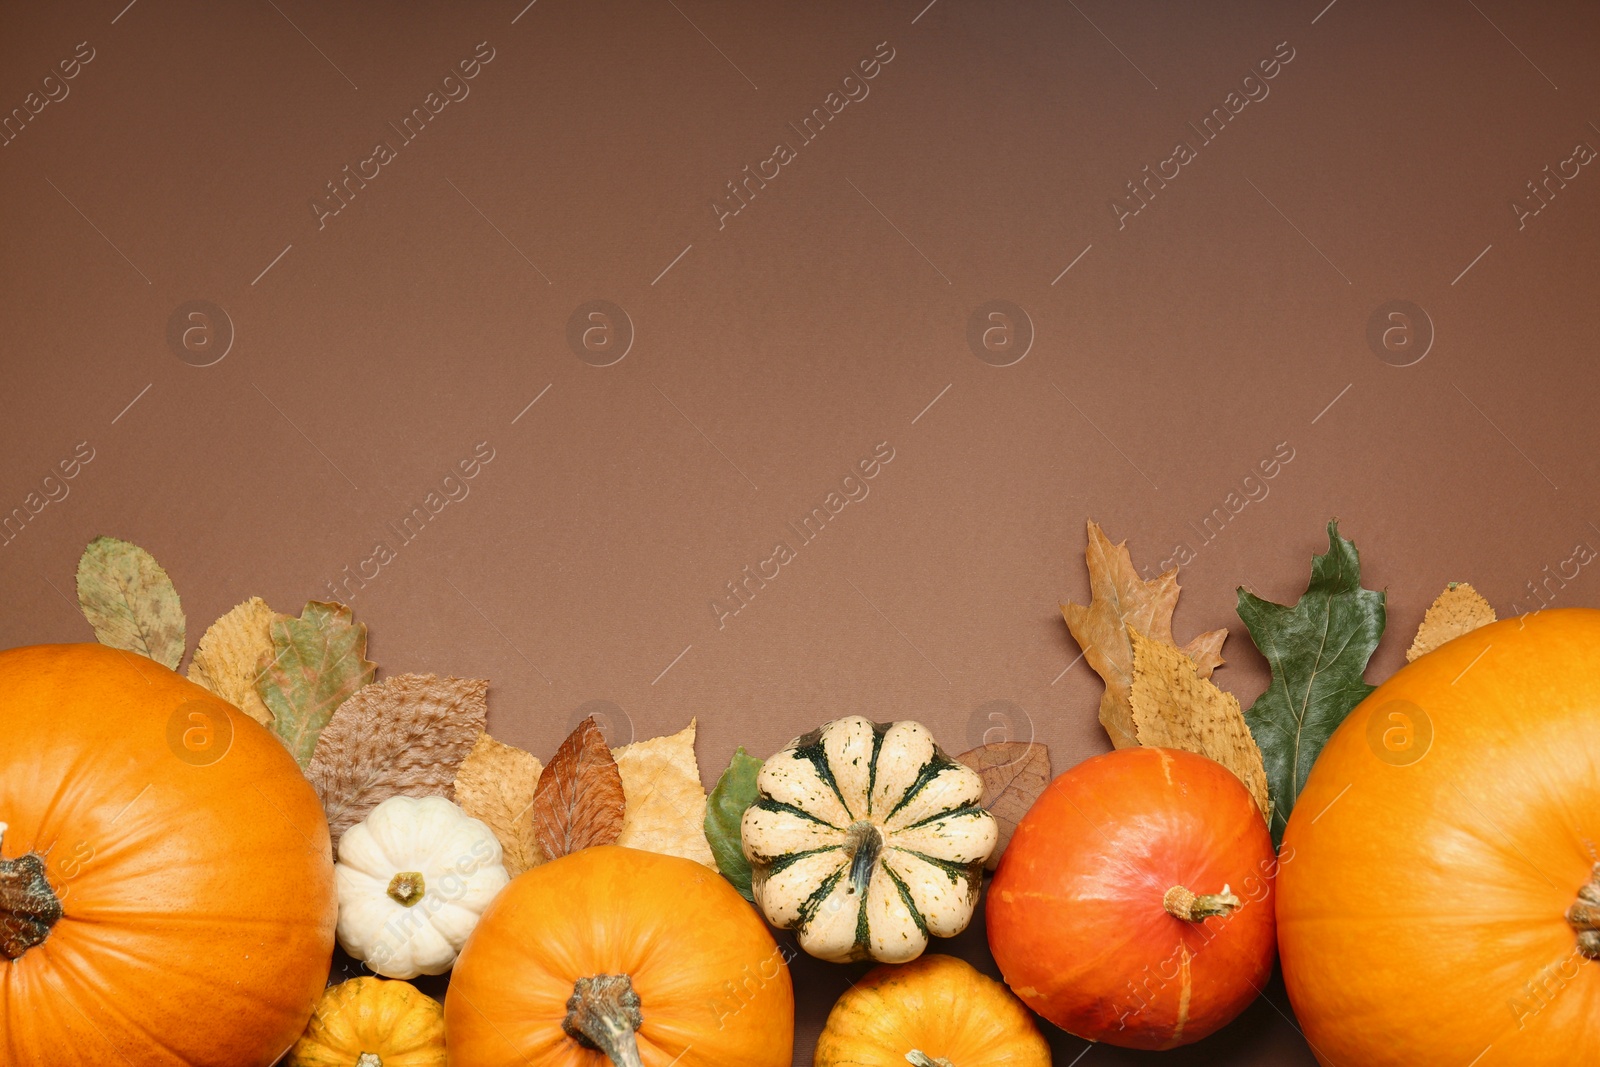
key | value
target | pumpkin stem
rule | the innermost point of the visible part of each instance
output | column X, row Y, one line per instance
column 921, row 1059
column 603, row 1014
column 407, row 888
column 865, row 845
column 1183, row 904
column 369, row 1059
column 28, row 906
column 1584, row 917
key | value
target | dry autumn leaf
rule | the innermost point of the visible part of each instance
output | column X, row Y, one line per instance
column 233, row 654
column 666, row 804
column 1119, row 598
column 1014, row 774
column 1458, row 610
column 319, row 660
column 403, row 736
column 579, row 800
column 1174, row 707
column 129, row 600
column 496, row 783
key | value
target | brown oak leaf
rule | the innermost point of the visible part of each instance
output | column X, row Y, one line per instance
column 1119, row 598
column 403, row 736
column 1014, row 773
column 579, row 801
column 496, row 783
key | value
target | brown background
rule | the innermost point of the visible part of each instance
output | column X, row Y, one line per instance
column 1175, row 355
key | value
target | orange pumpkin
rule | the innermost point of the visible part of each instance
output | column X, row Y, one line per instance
column 1438, row 900
column 1134, row 903
column 613, row 955
column 166, row 880
column 936, row 1011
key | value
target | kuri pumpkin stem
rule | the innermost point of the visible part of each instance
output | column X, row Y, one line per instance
column 921, row 1059
column 29, row 908
column 369, row 1059
column 1584, row 917
column 603, row 1014
column 1183, row 904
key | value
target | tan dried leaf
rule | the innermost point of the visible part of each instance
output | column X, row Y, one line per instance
column 496, row 783
column 228, row 660
column 1174, row 707
column 579, row 801
column 1458, row 610
column 1119, row 598
column 1014, row 774
column 403, row 736
column 666, row 802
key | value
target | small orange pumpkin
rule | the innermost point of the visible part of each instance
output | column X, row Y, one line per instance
column 166, row 878
column 614, row 955
column 1134, row 903
column 370, row 1022
column 935, row 1011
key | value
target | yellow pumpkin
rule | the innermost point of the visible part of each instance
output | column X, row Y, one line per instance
column 936, row 1011
column 369, row 1022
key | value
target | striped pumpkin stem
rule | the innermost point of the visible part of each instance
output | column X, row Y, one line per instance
column 865, row 845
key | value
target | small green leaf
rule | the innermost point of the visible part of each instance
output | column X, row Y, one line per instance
column 735, row 791
column 130, row 601
column 1318, row 650
column 319, row 661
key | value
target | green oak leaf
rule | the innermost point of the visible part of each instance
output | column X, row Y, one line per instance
column 319, row 661
column 1318, row 650
column 131, row 603
column 735, row 791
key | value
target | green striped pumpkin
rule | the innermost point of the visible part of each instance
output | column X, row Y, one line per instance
column 865, row 839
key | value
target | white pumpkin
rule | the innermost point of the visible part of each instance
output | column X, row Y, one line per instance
column 412, row 880
column 865, row 838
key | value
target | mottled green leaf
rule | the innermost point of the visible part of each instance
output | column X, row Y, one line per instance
column 130, row 601
column 319, row 661
column 735, row 791
column 1318, row 650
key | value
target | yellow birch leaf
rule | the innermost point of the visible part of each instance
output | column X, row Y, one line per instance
column 1173, row 707
column 1458, row 610
column 666, row 802
column 228, row 658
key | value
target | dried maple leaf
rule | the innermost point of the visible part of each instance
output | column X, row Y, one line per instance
column 403, row 736
column 1119, row 598
column 1173, row 707
column 129, row 600
column 1458, row 610
column 666, row 804
column 496, row 783
column 234, row 653
column 1014, row 774
column 319, row 660
column 579, row 801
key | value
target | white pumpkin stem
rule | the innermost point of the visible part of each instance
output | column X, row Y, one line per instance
column 921, row 1059
column 1584, row 917
column 369, row 1059
column 1183, row 904
column 603, row 1014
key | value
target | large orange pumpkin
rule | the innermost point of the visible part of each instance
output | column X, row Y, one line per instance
column 1437, row 901
column 1134, row 903
column 655, row 959
column 166, row 880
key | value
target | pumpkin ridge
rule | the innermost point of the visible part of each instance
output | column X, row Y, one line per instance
column 953, row 813
column 778, row 806
column 956, row 871
column 808, row 908
column 936, row 764
column 779, row 864
column 879, row 729
column 816, row 754
column 905, row 896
